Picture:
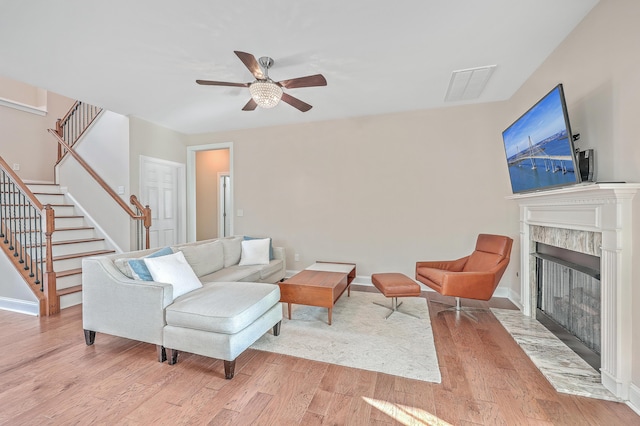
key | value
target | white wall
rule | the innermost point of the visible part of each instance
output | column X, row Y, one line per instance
column 105, row 147
column 15, row 295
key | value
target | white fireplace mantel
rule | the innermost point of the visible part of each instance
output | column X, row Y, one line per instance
column 597, row 208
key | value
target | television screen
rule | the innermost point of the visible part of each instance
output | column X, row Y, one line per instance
column 539, row 146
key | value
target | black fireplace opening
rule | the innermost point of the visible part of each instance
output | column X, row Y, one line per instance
column 568, row 301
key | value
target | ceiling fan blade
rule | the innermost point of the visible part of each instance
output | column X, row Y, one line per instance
column 250, row 106
column 308, row 81
column 250, row 62
column 296, row 103
column 221, row 83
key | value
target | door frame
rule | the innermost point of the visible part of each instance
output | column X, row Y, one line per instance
column 191, row 185
column 221, row 202
column 180, row 192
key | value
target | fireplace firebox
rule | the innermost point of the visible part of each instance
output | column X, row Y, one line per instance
column 568, row 300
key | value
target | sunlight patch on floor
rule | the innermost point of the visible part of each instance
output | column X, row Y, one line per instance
column 406, row 415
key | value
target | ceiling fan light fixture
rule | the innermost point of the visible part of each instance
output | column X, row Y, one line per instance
column 267, row 94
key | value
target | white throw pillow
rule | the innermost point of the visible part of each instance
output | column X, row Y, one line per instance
column 255, row 252
column 173, row 269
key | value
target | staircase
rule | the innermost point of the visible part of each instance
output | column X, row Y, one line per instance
column 72, row 241
column 41, row 230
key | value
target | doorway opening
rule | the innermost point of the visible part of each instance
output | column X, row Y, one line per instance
column 210, row 191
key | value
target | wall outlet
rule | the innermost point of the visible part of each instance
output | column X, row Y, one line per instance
column 240, row 213
column 121, row 190
column 16, row 166
column 296, row 257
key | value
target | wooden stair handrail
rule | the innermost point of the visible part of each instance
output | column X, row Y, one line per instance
column 21, row 185
column 48, row 301
column 68, row 114
column 97, row 178
column 62, row 122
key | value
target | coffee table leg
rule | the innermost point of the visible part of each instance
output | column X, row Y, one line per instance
column 289, row 308
column 330, row 312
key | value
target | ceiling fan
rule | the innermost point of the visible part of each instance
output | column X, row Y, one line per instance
column 265, row 92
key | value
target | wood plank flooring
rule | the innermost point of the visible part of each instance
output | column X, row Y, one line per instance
column 50, row 377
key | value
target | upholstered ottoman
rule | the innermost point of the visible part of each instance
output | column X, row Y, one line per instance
column 395, row 285
column 221, row 320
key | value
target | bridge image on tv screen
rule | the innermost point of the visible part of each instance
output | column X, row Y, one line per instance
column 538, row 146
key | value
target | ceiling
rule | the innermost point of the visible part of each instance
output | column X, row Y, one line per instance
column 142, row 57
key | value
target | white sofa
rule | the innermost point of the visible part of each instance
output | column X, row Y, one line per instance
column 235, row 305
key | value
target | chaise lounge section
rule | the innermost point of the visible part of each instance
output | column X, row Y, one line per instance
column 236, row 300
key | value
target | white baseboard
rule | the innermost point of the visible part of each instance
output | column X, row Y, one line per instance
column 634, row 398
column 20, row 306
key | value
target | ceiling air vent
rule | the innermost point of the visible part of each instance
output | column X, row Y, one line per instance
column 468, row 84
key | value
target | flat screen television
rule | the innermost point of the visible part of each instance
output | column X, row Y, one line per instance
column 539, row 146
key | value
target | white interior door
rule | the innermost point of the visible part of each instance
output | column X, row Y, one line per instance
column 160, row 189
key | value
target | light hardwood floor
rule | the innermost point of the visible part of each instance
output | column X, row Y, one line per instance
column 49, row 376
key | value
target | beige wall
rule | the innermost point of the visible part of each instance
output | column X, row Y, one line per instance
column 23, row 93
column 25, row 140
column 382, row 191
column 208, row 165
column 155, row 141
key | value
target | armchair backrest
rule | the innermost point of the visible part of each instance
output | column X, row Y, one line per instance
column 492, row 253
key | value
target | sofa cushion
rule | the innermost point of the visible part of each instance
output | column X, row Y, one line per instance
column 234, row 273
column 204, row 258
column 232, row 249
column 175, row 270
column 224, row 307
column 135, row 268
column 273, row 267
column 255, row 252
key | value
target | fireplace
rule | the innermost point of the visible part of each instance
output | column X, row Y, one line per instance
column 595, row 220
column 568, row 299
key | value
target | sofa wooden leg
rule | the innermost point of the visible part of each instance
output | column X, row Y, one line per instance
column 276, row 328
column 229, row 369
column 162, row 353
column 89, row 337
column 173, row 356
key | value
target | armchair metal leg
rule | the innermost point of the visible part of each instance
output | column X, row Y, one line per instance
column 458, row 308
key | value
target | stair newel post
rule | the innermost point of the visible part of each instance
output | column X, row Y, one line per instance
column 60, row 133
column 49, row 275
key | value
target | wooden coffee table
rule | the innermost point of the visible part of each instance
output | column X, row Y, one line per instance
column 321, row 284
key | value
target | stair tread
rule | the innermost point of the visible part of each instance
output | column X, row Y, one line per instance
column 69, row 290
column 64, row 242
column 68, row 272
column 83, row 254
column 81, row 240
column 75, row 228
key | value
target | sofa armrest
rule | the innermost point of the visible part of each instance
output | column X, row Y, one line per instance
column 471, row 285
column 279, row 253
column 116, row 305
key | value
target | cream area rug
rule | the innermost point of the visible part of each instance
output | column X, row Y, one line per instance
column 361, row 337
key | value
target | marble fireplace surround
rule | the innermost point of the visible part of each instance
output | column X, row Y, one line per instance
column 594, row 219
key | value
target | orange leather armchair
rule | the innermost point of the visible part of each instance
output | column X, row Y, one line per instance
column 472, row 277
